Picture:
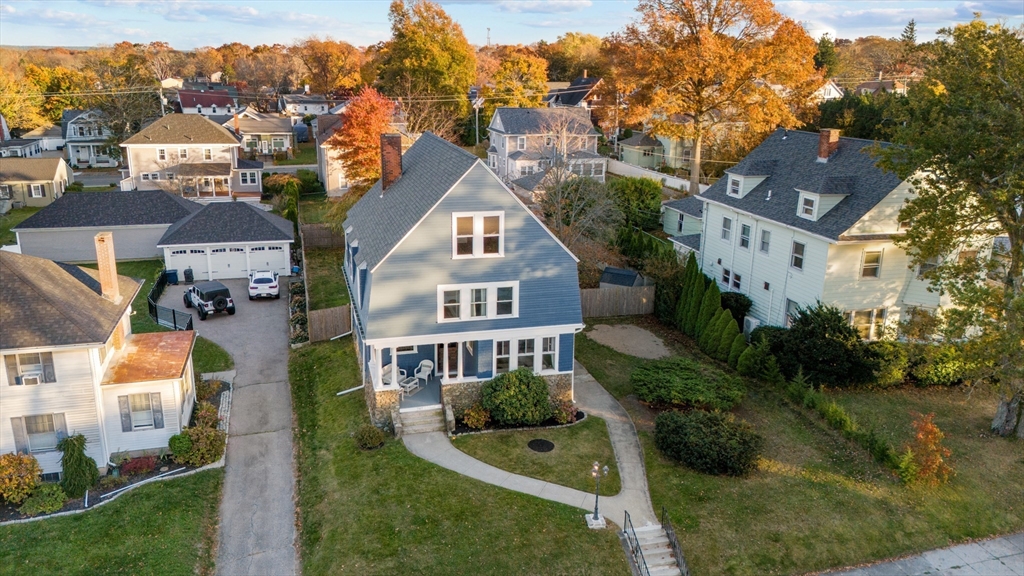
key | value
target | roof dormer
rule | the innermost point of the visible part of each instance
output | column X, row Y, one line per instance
column 740, row 185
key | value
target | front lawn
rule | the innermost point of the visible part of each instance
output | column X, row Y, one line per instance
column 818, row 500
column 569, row 464
column 389, row 512
column 162, row 528
column 14, row 217
column 305, row 153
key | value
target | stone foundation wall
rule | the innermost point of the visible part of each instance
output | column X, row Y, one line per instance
column 560, row 386
column 380, row 404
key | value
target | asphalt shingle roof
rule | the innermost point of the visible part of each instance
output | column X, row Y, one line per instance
column 326, row 125
column 189, row 129
column 66, row 117
column 115, row 208
column 220, row 222
column 793, row 156
column 619, row 276
column 206, row 99
column 691, row 205
column 641, row 139
column 28, row 169
column 578, row 90
column 688, row 240
column 244, row 164
column 429, row 169
column 47, row 303
column 544, row 120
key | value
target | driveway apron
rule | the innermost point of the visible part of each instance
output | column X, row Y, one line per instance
column 257, row 511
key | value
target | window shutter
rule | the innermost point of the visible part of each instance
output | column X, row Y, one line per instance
column 158, row 410
column 12, row 370
column 48, row 373
column 60, row 426
column 20, row 437
column 126, row 414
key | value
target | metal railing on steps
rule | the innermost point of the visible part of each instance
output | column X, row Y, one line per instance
column 634, row 546
column 677, row 551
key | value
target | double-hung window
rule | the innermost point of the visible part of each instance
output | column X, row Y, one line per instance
column 797, row 257
column 547, row 359
column 726, row 277
column 734, row 187
column 502, row 358
column 41, row 432
column 868, row 323
column 207, row 154
column 766, row 240
column 183, row 153
column 161, row 154
column 524, row 354
column 537, row 354
column 927, row 266
column 521, row 144
column 492, row 161
column 141, row 412
column 36, row 190
column 807, row 207
column 478, row 234
column 727, row 229
column 478, row 301
column 5, row 192
column 249, row 178
column 745, row 236
column 736, row 282
column 30, row 369
column 871, row 268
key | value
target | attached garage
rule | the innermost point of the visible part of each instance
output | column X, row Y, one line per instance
column 228, row 240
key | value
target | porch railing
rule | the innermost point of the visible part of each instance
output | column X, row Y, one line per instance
column 636, row 554
column 677, row 551
column 167, row 317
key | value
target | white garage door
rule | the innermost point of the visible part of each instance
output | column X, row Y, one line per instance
column 228, row 262
column 183, row 258
column 270, row 257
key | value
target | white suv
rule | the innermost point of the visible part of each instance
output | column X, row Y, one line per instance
column 264, row 284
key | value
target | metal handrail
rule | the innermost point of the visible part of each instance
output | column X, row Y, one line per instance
column 634, row 546
column 677, row 551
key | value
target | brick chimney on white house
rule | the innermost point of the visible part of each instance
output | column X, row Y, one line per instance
column 390, row 160
column 108, row 266
column 828, row 143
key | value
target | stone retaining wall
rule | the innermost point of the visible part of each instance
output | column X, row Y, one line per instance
column 464, row 395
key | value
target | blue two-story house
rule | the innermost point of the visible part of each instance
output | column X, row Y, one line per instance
column 453, row 281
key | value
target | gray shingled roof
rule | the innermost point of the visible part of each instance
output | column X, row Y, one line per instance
column 188, row 129
column 620, row 277
column 66, row 117
column 531, row 182
column 577, row 90
column 115, row 208
column 641, row 140
column 47, row 303
column 28, row 169
column 688, row 240
column 429, row 169
column 326, row 125
column 16, row 143
column 796, row 167
column 691, row 205
column 220, row 222
column 244, row 164
column 544, row 120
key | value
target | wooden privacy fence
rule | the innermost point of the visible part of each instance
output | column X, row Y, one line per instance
column 328, row 323
column 320, row 236
column 616, row 301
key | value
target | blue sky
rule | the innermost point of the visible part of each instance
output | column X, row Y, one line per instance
column 187, row 24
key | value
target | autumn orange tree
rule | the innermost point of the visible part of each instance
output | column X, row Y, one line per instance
column 332, row 66
column 357, row 142
column 519, row 82
column 929, row 453
column 691, row 68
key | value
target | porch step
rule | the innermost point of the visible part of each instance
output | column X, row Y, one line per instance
column 657, row 550
column 422, row 421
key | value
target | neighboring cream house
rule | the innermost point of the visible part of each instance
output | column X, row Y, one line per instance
column 72, row 364
column 32, row 181
column 328, row 168
column 262, row 134
column 190, row 155
column 86, row 139
column 302, row 104
column 808, row 217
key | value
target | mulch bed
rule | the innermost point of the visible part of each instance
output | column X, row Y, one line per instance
column 461, row 428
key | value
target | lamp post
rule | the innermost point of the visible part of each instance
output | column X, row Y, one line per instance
column 596, row 472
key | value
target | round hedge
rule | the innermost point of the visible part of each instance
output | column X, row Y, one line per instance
column 708, row 442
column 517, row 398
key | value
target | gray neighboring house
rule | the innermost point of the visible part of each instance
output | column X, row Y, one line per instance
column 683, row 221
column 64, row 230
column 32, row 181
column 20, row 148
column 86, row 138
column 254, row 240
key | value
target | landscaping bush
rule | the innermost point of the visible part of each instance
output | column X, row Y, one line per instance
column 739, row 346
column 729, row 334
column 111, row 482
column 19, row 475
column 891, row 362
column 207, row 446
column 821, row 340
column 309, row 182
column 708, row 442
column 685, row 383
column 565, row 412
column 369, row 437
column 205, row 389
column 517, row 398
column 710, row 305
column 180, row 445
column 937, row 365
column 711, row 332
column 753, row 361
column 47, row 498
column 205, row 415
column 75, row 187
column 693, row 303
column 476, row 417
column 140, row 465
column 738, row 304
column 80, row 472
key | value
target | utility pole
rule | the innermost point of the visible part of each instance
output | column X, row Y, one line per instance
column 488, row 37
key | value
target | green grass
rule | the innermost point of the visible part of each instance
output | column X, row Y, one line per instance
column 576, row 449
column 313, row 209
column 209, row 357
column 14, row 217
column 389, row 512
column 163, row 528
column 819, row 501
column 305, row 153
column 326, row 279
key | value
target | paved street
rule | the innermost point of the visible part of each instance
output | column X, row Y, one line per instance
column 257, row 513
column 1002, row 556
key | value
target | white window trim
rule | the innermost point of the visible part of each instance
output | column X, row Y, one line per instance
column 466, row 303
column 5, row 191
column 478, row 234
column 152, row 413
column 400, row 352
column 183, row 153
column 863, row 264
column 538, row 353
column 872, row 335
column 28, row 435
column 36, row 191
column 764, row 244
column 750, row 230
column 739, row 187
column 207, row 154
column 161, row 154
column 792, row 255
column 726, row 231
column 521, row 143
column 814, row 208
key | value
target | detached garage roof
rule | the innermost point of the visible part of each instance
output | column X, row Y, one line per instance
column 226, row 222
column 115, row 208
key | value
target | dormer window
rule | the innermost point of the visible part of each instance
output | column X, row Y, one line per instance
column 808, row 207
column 213, row 109
column 199, row 109
column 734, row 187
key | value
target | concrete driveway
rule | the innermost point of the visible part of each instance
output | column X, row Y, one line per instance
column 257, row 512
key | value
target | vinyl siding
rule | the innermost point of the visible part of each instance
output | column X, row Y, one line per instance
column 884, row 218
column 21, row 192
column 73, row 394
column 670, row 223
column 403, row 289
column 151, row 439
column 144, row 159
column 76, row 245
column 566, row 342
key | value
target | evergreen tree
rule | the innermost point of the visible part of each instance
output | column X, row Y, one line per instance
column 827, row 58
column 693, row 305
column 79, row 470
column 689, row 278
column 753, row 360
column 728, row 335
column 739, row 346
column 709, row 306
column 710, row 334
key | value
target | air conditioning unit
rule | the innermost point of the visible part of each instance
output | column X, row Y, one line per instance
column 31, row 379
column 750, row 324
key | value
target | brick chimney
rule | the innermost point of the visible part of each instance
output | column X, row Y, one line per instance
column 237, row 131
column 584, row 72
column 828, row 143
column 108, row 266
column 390, row 160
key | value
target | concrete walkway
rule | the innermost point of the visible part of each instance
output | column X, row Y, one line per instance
column 1003, row 556
column 593, row 399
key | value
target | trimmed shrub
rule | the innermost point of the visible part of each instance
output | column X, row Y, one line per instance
column 111, row 482
column 19, row 475
column 710, row 304
column 937, row 365
column 708, row 442
column 891, row 363
column 476, row 417
column 45, row 499
column 80, row 472
column 140, row 465
column 179, row 445
column 729, row 334
column 711, row 332
column 565, row 412
column 821, row 340
column 517, row 398
column 369, row 437
column 685, row 383
column 689, row 281
column 738, row 304
column 206, row 415
column 739, row 346
column 207, row 446
column 205, row 389
column 751, row 362
column 693, row 304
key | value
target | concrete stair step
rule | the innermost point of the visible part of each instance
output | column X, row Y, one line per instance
column 421, row 415
column 672, row 570
column 424, row 427
column 653, row 541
